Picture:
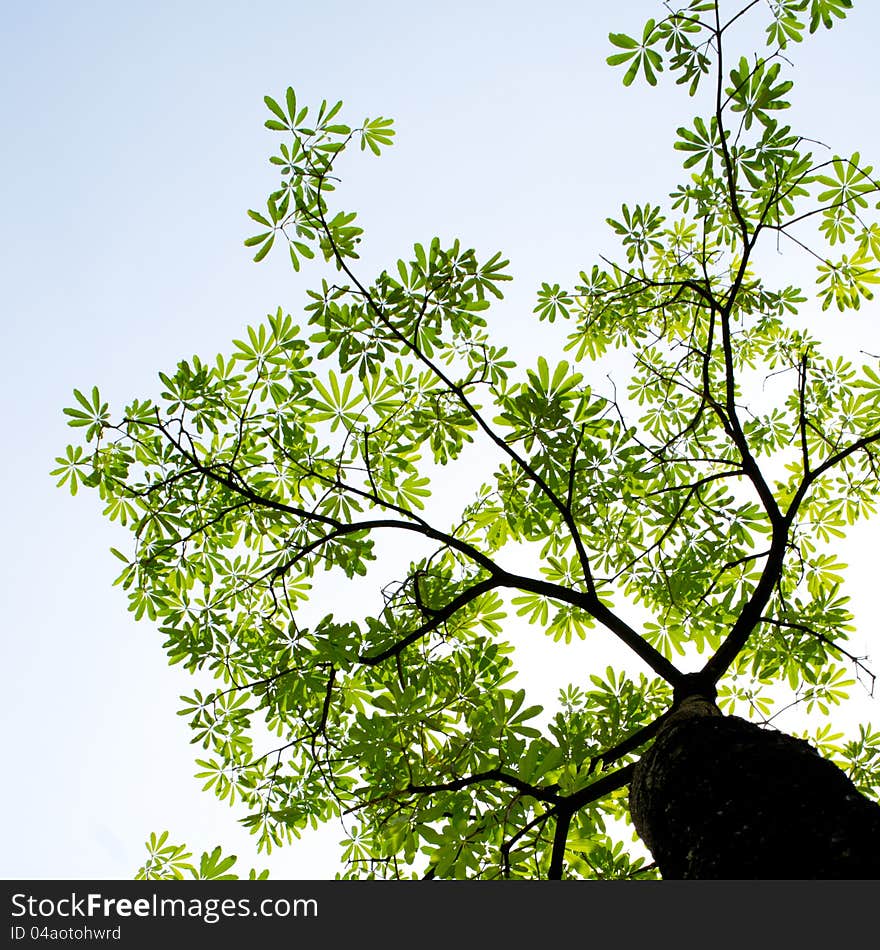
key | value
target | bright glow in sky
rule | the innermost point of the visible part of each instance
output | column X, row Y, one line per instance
column 133, row 148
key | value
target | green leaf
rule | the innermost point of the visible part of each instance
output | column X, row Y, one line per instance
column 264, row 250
column 823, row 12
column 213, row 866
column 274, row 107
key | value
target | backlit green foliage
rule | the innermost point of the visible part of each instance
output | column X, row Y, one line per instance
column 697, row 499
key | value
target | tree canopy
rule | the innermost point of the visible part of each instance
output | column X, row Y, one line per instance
column 691, row 515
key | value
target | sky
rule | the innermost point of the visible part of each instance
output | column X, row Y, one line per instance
column 133, row 147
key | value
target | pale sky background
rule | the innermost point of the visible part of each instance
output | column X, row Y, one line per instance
column 133, row 146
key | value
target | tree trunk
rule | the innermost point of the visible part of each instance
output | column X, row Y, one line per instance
column 716, row 797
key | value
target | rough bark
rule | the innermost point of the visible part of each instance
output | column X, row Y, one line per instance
column 718, row 797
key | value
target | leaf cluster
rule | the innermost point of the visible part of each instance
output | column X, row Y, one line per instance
column 692, row 515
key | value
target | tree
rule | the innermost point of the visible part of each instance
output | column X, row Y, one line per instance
column 692, row 517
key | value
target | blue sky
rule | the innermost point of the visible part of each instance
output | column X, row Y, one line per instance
column 133, row 147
